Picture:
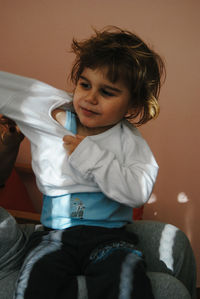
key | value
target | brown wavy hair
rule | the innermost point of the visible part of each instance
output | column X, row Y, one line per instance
column 126, row 57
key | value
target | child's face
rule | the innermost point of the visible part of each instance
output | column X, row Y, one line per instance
column 99, row 103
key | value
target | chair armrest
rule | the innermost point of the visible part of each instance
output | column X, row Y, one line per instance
column 166, row 249
column 25, row 217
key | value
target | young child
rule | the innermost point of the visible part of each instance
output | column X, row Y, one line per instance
column 104, row 169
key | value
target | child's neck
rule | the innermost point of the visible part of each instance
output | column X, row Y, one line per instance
column 60, row 116
column 85, row 131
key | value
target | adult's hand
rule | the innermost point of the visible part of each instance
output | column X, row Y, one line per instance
column 10, row 139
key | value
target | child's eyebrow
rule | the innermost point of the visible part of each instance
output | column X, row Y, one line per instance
column 84, row 78
column 112, row 88
column 104, row 85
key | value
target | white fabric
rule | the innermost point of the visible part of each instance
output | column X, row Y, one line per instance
column 117, row 162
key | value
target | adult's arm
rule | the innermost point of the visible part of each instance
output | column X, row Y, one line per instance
column 10, row 139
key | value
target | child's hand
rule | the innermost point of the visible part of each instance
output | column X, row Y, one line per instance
column 71, row 142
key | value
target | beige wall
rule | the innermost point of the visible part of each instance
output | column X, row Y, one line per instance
column 35, row 36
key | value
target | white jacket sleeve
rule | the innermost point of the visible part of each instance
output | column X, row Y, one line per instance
column 11, row 85
column 20, row 88
column 130, row 182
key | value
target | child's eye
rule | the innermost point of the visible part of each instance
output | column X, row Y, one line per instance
column 85, row 85
column 106, row 93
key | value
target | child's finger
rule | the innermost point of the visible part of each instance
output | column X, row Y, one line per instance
column 79, row 137
column 68, row 138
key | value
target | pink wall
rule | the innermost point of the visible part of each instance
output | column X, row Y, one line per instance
column 35, row 37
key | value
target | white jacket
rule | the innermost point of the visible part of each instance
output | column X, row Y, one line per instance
column 117, row 162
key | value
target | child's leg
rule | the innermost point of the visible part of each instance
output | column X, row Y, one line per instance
column 13, row 241
column 49, row 269
column 167, row 250
column 116, row 271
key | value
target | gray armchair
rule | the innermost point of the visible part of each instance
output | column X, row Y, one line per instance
column 169, row 259
column 168, row 254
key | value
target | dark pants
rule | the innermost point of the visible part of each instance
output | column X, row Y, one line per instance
column 108, row 259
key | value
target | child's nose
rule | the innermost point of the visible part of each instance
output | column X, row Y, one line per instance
column 92, row 98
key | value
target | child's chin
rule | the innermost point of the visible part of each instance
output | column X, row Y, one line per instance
column 87, row 124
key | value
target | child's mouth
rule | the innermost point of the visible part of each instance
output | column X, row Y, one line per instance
column 88, row 112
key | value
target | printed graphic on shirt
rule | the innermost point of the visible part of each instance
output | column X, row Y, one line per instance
column 77, row 208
